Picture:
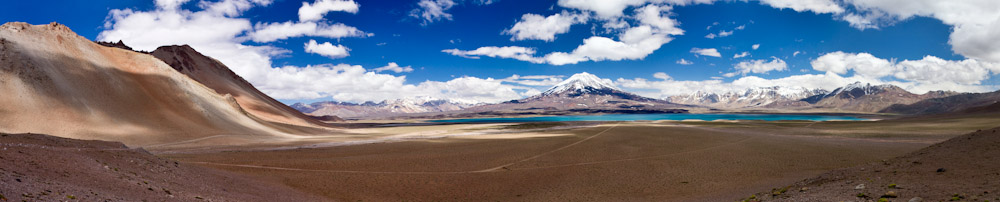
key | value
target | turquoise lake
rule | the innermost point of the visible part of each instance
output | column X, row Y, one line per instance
column 654, row 117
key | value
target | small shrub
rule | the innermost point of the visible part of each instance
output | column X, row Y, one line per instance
column 862, row 195
column 70, row 196
column 892, row 186
column 883, row 200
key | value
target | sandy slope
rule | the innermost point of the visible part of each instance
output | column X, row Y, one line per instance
column 53, row 81
column 217, row 76
column 45, row 168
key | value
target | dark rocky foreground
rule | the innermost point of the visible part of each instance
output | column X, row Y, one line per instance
column 37, row 167
column 964, row 168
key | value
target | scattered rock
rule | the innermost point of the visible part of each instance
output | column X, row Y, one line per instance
column 890, row 194
column 941, row 170
column 916, row 199
column 803, row 189
column 860, row 186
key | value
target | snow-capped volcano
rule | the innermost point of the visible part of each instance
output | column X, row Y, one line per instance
column 582, row 83
column 585, row 91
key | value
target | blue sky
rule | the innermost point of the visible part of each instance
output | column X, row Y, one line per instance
column 875, row 42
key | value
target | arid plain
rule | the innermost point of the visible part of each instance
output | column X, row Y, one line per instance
column 663, row 161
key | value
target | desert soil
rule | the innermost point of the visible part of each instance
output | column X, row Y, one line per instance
column 45, row 168
column 661, row 161
column 965, row 168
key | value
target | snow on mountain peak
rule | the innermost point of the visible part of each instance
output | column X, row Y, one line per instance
column 581, row 82
column 868, row 88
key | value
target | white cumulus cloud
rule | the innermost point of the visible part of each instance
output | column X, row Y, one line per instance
column 863, row 64
column 725, row 33
column 533, row 26
column 706, row 52
column 327, row 49
column 682, row 61
column 169, row 4
column 535, row 80
column 758, row 66
column 316, row 10
column 740, row 55
column 816, row 6
column 653, row 30
column 268, row 32
column 661, row 75
column 928, row 73
column 392, row 66
column 430, row 11
column 231, row 7
column 513, row 52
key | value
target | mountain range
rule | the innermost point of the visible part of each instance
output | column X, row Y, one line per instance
column 386, row 108
column 585, row 92
column 580, row 93
column 751, row 97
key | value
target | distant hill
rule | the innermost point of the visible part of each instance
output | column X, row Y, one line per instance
column 965, row 102
column 865, row 97
column 855, row 97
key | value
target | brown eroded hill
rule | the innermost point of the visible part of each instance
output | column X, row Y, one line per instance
column 37, row 167
column 964, row 168
column 56, row 82
column 217, row 76
column 858, row 97
column 966, row 102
